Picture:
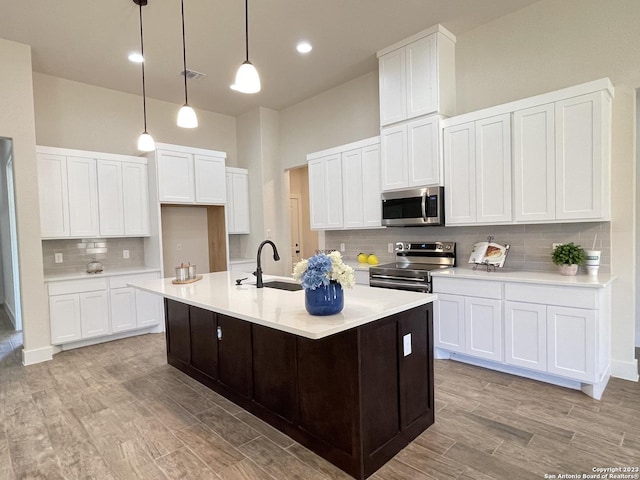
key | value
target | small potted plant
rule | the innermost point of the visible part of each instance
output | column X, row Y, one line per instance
column 568, row 256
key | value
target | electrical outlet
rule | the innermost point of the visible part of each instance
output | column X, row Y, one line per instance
column 125, row 253
column 554, row 245
column 342, row 249
column 58, row 258
column 390, row 248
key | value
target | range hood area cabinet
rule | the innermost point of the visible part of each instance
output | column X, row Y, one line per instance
column 188, row 175
column 417, row 76
column 555, row 167
column 89, row 194
column 344, row 186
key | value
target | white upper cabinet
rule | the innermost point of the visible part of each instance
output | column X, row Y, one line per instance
column 190, row 175
column 410, row 154
column 83, row 196
column 417, row 76
column 54, row 196
column 344, row 186
column 554, row 168
column 89, row 194
column 237, row 207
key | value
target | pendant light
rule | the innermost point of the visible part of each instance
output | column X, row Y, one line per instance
column 247, row 78
column 187, row 117
column 145, row 142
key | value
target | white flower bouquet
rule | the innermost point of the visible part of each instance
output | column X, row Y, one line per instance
column 321, row 269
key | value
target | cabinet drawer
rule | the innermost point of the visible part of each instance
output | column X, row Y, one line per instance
column 467, row 287
column 77, row 286
column 552, row 295
column 122, row 281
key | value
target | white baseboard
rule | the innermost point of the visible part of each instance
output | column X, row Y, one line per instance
column 37, row 355
column 107, row 338
column 625, row 370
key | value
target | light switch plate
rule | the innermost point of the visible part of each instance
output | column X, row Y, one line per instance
column 125, row 253
column 390, row 248
column 406, row 344
column 58, row 258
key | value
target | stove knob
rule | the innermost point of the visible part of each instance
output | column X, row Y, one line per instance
column 399, row 246
column 448, row 247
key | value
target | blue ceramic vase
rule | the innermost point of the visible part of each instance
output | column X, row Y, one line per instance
column 324, row 300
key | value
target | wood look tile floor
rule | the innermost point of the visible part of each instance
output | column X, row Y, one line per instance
column 118, row 411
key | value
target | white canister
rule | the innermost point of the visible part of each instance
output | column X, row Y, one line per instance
column 192, row 271
column 182, row 273
column 592, row 261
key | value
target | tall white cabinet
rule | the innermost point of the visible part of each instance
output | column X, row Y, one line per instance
column 237, row 208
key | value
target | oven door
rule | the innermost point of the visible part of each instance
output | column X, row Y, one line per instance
column 397, row 283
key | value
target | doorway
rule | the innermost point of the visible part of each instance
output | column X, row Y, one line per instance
column 299, row 221
column 10, row 278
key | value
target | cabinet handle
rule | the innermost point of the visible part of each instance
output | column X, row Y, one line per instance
column 219, row 330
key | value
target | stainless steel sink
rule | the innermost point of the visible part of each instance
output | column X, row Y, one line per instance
column 283, row 285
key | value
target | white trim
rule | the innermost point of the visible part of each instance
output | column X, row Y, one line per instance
column 625, row 370
column 344, row 148
column 37, row 355
column 237, row 170
column 116, row 157
column 193, row 150
column 109, row 338
column 414, row 38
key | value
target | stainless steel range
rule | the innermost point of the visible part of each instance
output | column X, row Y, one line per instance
column 413, row 266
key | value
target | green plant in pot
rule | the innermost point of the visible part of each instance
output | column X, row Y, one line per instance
column 568, row 256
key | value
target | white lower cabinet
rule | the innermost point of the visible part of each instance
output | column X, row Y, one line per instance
column 92, row 308
column 561, row 331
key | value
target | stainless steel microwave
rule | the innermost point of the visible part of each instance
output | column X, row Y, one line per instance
column 413, row 208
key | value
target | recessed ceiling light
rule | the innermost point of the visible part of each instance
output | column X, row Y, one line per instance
column 304, row 47
column 135, row 57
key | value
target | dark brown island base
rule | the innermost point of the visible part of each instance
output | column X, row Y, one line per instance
column 356, row 397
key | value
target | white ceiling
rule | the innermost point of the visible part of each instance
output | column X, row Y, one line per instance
column 88, row 41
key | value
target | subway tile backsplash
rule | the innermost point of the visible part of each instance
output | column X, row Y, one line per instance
column 77, row 253
column 530, row 244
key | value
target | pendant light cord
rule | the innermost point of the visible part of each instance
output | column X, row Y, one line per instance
column 184, row 55
column 144, row 93
column 246, row 27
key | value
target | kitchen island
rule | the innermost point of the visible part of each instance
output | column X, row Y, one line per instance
column 355, row 387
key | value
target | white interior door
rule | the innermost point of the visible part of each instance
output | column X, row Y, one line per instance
column 295, row 214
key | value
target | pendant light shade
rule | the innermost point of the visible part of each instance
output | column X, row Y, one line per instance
column 145, row 142
column 187, row 117
column 247, row 78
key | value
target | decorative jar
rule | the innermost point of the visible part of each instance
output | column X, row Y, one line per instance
column 566, row 269
column 324, row 299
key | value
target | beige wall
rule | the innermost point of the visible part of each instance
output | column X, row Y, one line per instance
column 76, row 115
column 185, row 238
column 554, row 44
column 17, row 122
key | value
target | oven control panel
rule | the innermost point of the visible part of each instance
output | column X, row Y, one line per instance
column 426, row 248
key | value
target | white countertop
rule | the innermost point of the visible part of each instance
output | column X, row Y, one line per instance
column 359, row 266
column 522, row 276
column 284, row 310
column 107, row 272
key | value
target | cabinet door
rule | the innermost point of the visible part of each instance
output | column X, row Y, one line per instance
column 352, row 188
column 53, row 194
column 135, row 190
column 175, row 177
column 234, row 354
column 493, row 169
column 483, row 328
column 94, row 314
column 525, row 335
column 392, row 78
column 240, row 201
column 333, row 177
column 371, row 203
column 123, row 309
column 460, row 174
column 64, row 313
column 317, row 194
column 448, row 322
column 422, row 86
column 210, row 180
column 83, row 197
column 230, row 205
column 580, row 149
column 204, row 341
column 534, row 164
column 178, row 331
column 148, row 309
column 423, row 152
column 393, row 145
column 571, row 343
column 110, row 206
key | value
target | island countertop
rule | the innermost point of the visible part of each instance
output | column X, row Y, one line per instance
column 281, row 309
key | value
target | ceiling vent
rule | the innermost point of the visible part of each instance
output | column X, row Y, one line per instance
column 192, row 74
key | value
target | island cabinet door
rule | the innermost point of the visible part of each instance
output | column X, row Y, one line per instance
column 274, row 366
column 234, row 354
column 204, row 343
column 178, row 334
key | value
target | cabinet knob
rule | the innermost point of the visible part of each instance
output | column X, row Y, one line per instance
column 219, row 330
